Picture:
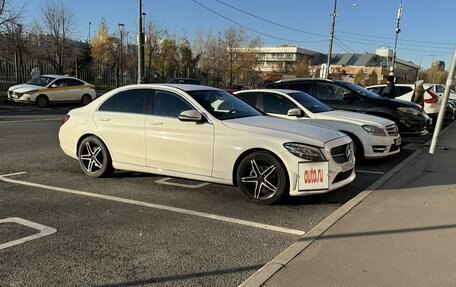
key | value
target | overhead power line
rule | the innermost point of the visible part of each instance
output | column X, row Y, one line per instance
column 251, row 29
column 399, row 48
column 270, row 21
column 392, row 39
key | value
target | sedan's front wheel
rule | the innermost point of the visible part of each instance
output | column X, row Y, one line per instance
column 94, row 157
column 262, row 178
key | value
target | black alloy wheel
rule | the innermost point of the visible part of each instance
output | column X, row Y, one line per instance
column 94, row 157
column 262, row 178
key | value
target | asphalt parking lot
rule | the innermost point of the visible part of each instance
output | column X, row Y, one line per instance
column 136, row 229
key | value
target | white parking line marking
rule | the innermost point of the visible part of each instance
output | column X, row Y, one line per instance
column 166, row 182
column 26, row 121
column 43, row 231
column 11, row 174
column 159, row 206
column 368, row 171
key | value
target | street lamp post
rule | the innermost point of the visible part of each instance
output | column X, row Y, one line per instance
column 121, row 26
column 331, row 35
column 140, row 45
column 90, row 24
column 397, row 30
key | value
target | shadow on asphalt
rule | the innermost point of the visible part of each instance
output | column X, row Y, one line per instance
column 183, row 276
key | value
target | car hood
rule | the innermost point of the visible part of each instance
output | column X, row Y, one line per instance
column 287, row 130
column 358, row 119
column 22, row 88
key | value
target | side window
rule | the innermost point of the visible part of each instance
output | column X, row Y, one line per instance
column 275, row 104
column 167, row 104
column 403, row 90
column 250, row 98
column 130, row 101
column 331, row 92
column 303, row 87
column 74, row 82
column 375, row 90
column 440, row 89
column 59, row 83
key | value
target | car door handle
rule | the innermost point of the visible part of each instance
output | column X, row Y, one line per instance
column 155, row 123
column 104, row 119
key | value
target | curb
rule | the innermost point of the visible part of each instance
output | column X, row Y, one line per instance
column 267, row 271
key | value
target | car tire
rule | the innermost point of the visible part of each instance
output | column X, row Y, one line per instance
column 262, row 178
column 86, row 99
column 94, row 157
column 42, row 101
column 358, row 148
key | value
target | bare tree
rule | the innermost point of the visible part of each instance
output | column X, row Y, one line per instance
column 8, row 14
column 56, row 26
column 154, row 35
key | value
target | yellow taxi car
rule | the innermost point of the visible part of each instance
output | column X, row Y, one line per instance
column 47, row 89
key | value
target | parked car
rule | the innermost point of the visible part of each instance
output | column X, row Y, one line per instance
column 186, row 81
column 405, row 92
column 47, row 89
column 341, row 95
column 440, row 89
column 207, row 134
column 235, row 88
column 373, row 137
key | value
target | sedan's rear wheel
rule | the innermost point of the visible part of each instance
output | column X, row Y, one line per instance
column 94, row 157
column 262, row 178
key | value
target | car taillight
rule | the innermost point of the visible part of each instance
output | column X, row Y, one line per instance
column 65, row 119
column 434, row 98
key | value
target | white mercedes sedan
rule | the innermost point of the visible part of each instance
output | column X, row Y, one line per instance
column 206, row 134
column 373, row 137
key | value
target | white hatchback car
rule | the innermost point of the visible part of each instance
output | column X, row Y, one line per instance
column 405, row 92
column 374, row 137
column 207, row 134
column 47, row 89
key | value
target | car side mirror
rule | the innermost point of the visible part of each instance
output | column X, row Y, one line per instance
column 54, row 86
column 190, row 116
column 295, row 113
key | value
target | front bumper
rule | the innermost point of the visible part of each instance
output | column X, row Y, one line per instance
column 414, row 124
column 381, row 146
column 336, row 176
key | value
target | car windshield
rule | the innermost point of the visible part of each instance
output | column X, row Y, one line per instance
column 360, row 90
column 223, row 105
column 310, row 103
column 41, row 81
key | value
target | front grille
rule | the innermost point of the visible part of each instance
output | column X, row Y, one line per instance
column 392, row 130
column 342, row 176
column 339, row 153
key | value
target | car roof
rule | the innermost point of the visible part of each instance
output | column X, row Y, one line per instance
column 183, row 87
column 284, row 91
column 305, row 79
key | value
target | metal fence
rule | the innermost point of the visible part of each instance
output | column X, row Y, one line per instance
column 102, row 76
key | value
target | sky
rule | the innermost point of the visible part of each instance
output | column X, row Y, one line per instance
column 427, row 27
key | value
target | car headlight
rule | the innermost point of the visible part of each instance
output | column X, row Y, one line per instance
column 305, row 151
column 375, row 131
column 31, row 92
column 408, row 110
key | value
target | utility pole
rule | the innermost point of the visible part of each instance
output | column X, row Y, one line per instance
column 140, row 45
column 331, row 38
column 90, row 23
column 397, row 30
column 120, row 25
column 443, row 104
